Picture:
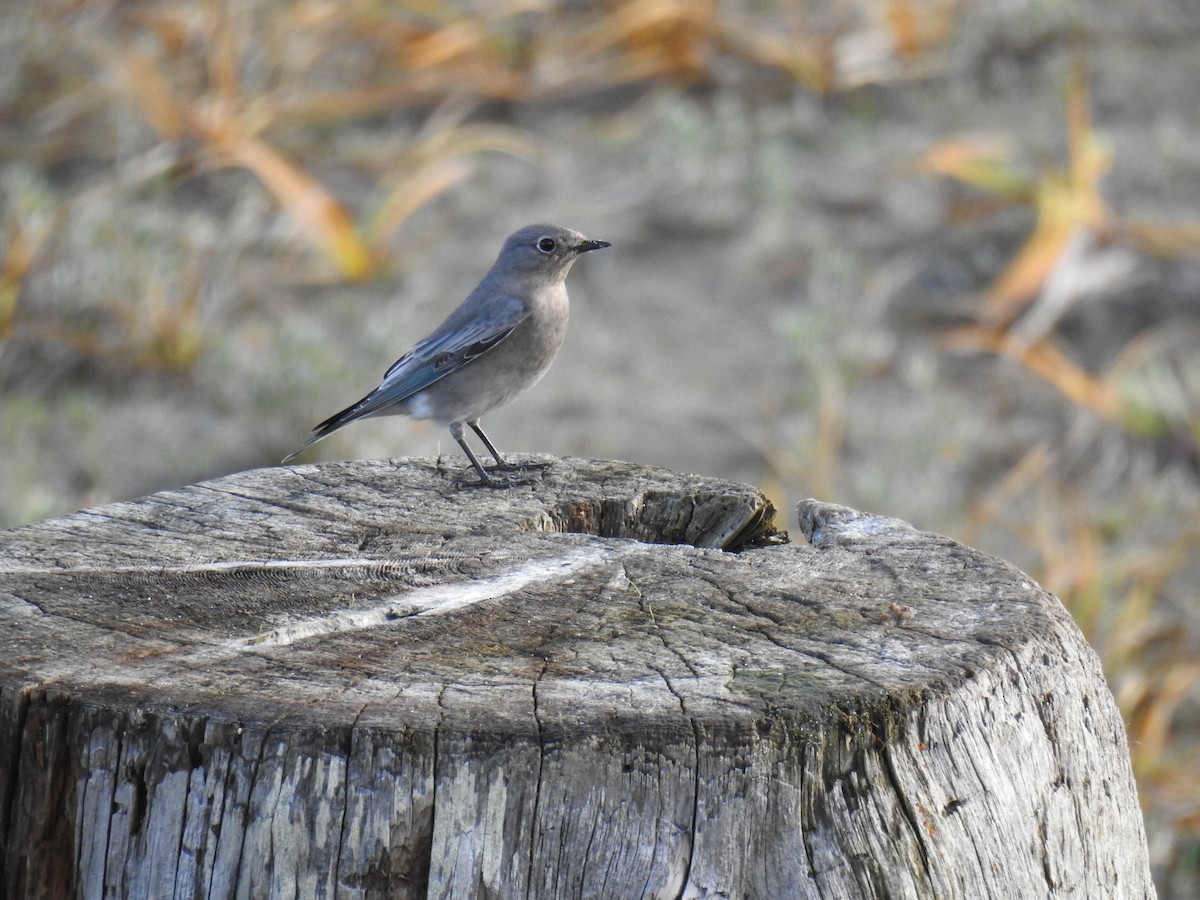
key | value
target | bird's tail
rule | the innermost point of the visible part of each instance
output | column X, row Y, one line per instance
column 333, row 423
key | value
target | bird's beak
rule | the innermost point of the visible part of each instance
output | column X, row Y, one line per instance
column 585, row 246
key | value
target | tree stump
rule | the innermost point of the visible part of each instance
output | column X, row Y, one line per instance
column 361, row 680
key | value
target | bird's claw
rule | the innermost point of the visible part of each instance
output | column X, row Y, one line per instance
column 503, row 475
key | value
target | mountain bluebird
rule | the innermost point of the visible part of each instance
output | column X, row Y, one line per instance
column 494, row 347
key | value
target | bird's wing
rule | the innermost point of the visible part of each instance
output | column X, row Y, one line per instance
column 482, row 322
column 466, row 335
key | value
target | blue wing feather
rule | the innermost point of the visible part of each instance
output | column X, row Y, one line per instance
column 473, row 329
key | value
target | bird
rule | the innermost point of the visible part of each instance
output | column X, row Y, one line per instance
column 495, row 346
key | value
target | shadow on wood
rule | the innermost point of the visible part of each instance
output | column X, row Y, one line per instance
column 357, row 680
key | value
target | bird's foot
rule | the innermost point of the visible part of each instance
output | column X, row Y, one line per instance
column 506, row 475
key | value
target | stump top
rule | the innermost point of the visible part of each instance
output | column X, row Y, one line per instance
column 603, row 596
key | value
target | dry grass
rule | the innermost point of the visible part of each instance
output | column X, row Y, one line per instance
column 1079, row 246
column 220, row 85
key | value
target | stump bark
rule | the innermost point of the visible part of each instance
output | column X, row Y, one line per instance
column 360, row 680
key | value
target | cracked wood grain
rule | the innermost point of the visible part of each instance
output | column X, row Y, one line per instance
column 355, row 680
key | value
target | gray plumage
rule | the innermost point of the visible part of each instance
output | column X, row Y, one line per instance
column 494, row 347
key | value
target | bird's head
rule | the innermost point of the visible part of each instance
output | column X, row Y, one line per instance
column 547, row 251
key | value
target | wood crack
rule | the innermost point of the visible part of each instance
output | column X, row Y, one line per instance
column 910, row 814
column 695, row 813
column 538, row 785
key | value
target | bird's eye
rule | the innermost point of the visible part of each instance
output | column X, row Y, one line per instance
column 547, row 245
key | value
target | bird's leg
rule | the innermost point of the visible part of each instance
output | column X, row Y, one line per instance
column 456, row 430
column 491, row 447
column 489, row 478
column 503, row 465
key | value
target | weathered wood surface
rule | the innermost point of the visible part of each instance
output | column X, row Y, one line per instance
column 356, row 680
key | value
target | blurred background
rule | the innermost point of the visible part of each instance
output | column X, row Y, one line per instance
column 936, row 259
